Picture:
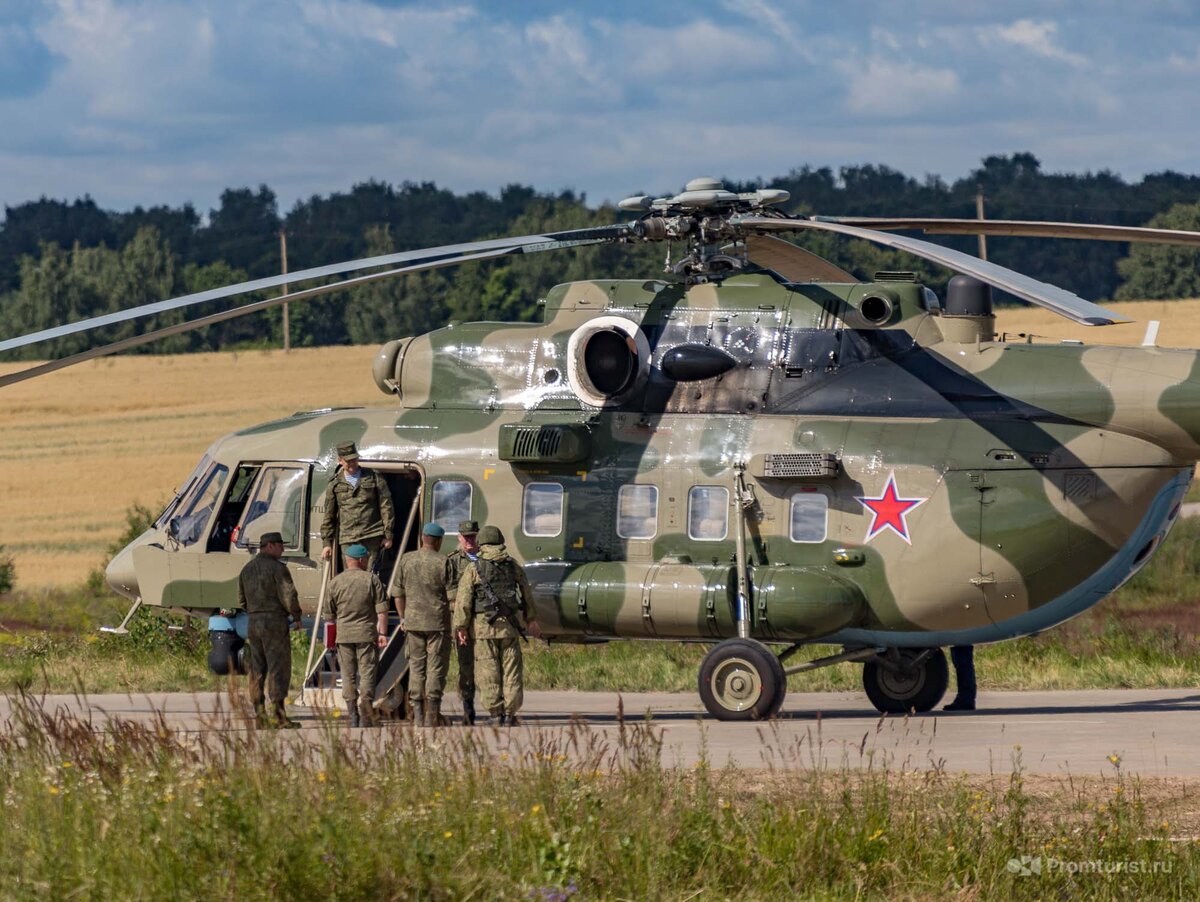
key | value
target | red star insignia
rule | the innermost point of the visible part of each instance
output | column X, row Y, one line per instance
column 889, row 511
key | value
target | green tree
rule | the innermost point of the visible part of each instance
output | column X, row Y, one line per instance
column 1155, row 271
column 8, row 572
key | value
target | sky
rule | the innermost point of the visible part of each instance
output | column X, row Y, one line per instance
column 142, row 102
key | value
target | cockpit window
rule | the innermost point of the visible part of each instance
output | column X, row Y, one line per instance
column 191, row 525
column 184, row 488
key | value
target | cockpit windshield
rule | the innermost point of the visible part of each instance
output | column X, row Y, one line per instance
column 184, row 488
column 198, row 507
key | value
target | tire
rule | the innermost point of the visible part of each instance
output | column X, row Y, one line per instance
column 741, row 679
column 916, row 689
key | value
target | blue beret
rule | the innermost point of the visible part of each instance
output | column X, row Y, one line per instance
column 357, row 551
column 432, row 529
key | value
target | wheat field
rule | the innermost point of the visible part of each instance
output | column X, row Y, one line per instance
column 79, row 446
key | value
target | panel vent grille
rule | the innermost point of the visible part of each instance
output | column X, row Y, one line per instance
column 890, row 276
column 544, row 444
column 800, row 465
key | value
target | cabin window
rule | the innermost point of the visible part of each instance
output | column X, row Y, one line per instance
column 708, row 513
column 637, row 512
column 277, row 505
column 191, row 525
column 810, row 515
column 542, row 509
column 451, row 504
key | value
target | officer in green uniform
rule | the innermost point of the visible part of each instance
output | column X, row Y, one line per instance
column 268, row 595
column 459, row 561
column 358, row 508
column 492, row 618
column 359, row 607
column 420, row 588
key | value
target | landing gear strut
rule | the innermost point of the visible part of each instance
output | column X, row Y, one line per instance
column 742, row 679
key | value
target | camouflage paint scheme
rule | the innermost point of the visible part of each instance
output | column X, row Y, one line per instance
column 1023, row 482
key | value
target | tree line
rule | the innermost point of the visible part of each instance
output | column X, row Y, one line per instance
column 61, row 261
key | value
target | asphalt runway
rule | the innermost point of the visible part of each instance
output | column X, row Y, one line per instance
column 1154, row 731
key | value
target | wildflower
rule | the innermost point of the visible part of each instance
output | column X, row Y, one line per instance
column 66, row 764
column 53, row 790
column 1114, row 759
column 504, row 756
column 535, row 809
column 447, row 834
column 322, row 777
column 875, row 835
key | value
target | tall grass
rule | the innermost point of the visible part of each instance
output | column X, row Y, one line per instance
column 143, row 811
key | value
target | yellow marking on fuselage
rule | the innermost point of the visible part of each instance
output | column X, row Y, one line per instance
column 487, row 472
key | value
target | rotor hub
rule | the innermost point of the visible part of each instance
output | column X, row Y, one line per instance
column 700, row 216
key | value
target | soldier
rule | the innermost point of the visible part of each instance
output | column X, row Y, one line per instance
column 459, row 562
column 963, row 657
column 268, row 595
column 358, row 508
column 493, row 606
column 358, row 604
column 420, row 590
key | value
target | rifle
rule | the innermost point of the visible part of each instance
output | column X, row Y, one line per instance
column 494, row 608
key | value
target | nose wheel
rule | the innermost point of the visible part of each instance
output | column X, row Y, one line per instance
column 742, row 679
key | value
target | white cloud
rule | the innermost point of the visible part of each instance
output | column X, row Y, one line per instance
column 1038, row 38
column 894, row 88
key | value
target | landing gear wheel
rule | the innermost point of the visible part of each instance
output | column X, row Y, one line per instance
column 741, row 679
column 910, row 685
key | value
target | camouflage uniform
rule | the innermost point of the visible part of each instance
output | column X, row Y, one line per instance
column 421, row 584
column 356, row 598
column 458, row 563
column 360, row 513
column 268, row 595
column 499, row 668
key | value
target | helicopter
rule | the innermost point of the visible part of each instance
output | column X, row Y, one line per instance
column 753, row 450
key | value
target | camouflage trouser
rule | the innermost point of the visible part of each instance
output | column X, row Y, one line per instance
column 373, row 546
column 428, row 653
column 270, row 657
column 466, row 671
column 500, row 675
column 361, row 660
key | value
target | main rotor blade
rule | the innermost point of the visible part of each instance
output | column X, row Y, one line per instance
column 126, row 343
column 793, row 263
column 1051, row 297
column 1030, row 228
column 525, row 244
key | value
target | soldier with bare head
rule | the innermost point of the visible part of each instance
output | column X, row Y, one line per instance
column 268, row 595
column 494, row 606
column 460, row 560
column 359, row 607
column 358, row 508
column 421, row 591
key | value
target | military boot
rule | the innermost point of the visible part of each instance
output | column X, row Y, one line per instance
column 281, row 719
column 367, row 714
column 510, row 720
column 468, row 712
column 433, row 714
column 418, row 712
column 352, row 713
column 261, row 721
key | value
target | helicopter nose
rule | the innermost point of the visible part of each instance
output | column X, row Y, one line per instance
column 120, row 575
